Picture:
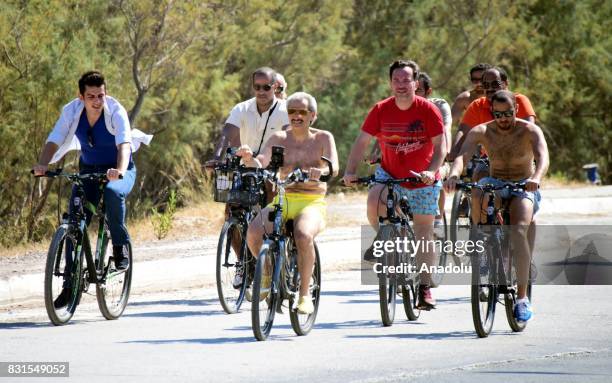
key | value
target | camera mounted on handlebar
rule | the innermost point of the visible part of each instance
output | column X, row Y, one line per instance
column 278, row 158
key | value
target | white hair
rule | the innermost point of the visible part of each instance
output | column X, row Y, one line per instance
column 312, row 103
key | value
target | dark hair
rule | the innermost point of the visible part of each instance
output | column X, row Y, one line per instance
column 502, row 73
column 91, row 78
column 403, row 64
column 479, row 67
column 423, row 76
column 264, row 71
column 504, row 96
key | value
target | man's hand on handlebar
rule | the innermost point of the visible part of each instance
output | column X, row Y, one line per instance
column 451, row 183
column 532, row 184
column 349, row 179
column 39, row 170
column 114, row 174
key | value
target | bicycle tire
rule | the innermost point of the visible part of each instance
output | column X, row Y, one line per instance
column 54, row 270
column 510, row 299
column 114, row 293
column 387, row 285
column 457, row 222
column 442, row 256
column 261, row 329
column 231, row 298
column 303, row 323
column 483, row 291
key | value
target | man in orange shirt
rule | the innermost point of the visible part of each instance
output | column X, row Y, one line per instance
column 479, row 111
column 464, row 99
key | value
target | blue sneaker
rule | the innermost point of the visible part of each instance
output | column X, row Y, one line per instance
column 523, row 311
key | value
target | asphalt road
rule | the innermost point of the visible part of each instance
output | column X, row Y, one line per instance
column 185, row 336
column 180, row 334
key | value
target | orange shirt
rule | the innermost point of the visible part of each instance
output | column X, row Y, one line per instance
column 479, row 111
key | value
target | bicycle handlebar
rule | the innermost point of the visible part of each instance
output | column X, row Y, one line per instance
column 372, row 179
column 74, row 176
column 490, row 187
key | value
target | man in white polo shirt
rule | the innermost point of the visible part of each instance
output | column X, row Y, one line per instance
column 253, row 121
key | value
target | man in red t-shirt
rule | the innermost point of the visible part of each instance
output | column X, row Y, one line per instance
column 479, row 111
column 410, row 133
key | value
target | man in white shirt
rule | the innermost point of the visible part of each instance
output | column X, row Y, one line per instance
column 253, row 121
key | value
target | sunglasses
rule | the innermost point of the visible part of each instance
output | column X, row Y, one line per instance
column 301, row 112
column 498, row 114
column 259, row 87
column 90, row 140
column 492, row 85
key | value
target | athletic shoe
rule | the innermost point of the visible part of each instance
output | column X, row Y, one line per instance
column 522, row 310
column 305, row 305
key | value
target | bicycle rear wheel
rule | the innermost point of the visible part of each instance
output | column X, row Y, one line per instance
column 303, row 323
column 231, row 253
column 113, row 293
column 387, row 283
column 484, row 290
column 263, row 305
column 460, row 220
column 63, row 268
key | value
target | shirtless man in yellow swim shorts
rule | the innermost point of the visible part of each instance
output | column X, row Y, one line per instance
column 306, row 204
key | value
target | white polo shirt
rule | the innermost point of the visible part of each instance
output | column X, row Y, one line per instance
column 252, row 125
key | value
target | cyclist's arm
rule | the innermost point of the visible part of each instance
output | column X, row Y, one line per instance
column 459, row 106
column 359, row 148
column 123, row 156
column 230, row 137
column 459, row 139
column 540, row 152
column 472, row 139
column 330, row 152
column 265, row 155
column 437, row 159
column 45, row 157
column 447, row 119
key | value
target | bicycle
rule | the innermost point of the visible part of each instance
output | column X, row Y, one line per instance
column 461, row 209
column 70, row 244
column 396, row 224
column 494, row 271
column 242, row 189
column 278, row 254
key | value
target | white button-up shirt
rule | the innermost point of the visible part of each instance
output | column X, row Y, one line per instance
column 115, row 118
column 252, row 125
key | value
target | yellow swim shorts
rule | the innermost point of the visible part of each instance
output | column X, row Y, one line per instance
column 296, row 203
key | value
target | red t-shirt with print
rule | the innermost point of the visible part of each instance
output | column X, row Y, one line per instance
column 405, row 136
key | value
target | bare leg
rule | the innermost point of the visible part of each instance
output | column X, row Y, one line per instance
column 521, row 213
column 306, row 226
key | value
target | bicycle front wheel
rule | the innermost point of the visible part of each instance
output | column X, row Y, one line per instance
column 232, row 266
column 264, row 301
column 63, row 273
column 460, row 220
column 511, row 297
column 303, row 323
column 114, row 291
column 484, row 290
column 387, row 283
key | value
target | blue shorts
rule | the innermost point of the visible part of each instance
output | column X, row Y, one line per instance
column 422, row 201
column 534, row 197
